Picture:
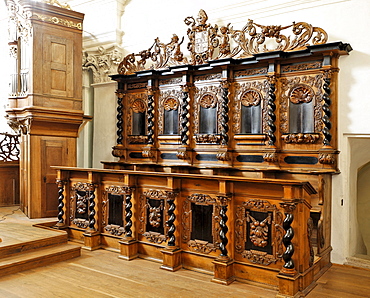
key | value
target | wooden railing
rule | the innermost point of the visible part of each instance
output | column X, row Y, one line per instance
column 233, row 227
column 9, row 169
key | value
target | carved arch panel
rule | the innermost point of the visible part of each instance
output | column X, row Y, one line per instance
column 250, row 101
column 301, row 108
column 113, row 209
column 200, row 219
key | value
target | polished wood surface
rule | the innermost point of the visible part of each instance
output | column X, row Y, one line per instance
column 141, row 278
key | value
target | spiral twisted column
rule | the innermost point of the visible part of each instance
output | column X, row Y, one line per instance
column 150, row 116
column 60, row 185
column 326, row 110
column 271, row 108
column 120, row 95
column 184, row 120
column 288, row 267
column 92, row 211
column 223, row 226
column 128, row 215
column 171, row 222
column 224, row 111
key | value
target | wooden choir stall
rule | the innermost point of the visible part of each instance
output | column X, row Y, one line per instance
column 225, row 156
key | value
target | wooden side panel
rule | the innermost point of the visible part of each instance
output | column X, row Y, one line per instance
column 58, row 66
column 9, row 184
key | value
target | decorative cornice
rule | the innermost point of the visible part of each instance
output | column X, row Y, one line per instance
column 102, row 62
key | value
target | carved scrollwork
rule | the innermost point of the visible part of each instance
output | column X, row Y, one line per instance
column 209, row 42
column 301, row 138
column 201, row 246
column 301, row 66
column 137, row 139
column 252, row 42
column 81, row 223
column 327, row 158
column 258, row 257
column 154, row 237
column 9, row 147
column 206, row 138
column 115, row 230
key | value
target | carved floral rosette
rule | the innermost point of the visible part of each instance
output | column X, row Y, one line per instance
column 152, row 215
column 250, row 93
column 115, row 230
column 79, row 204
column 300, row 89
column 169, row 100
column 196, row 245
column 207, row 97
column 259, row 232
column 137, row 102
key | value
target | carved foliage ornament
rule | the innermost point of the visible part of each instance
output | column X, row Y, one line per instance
column 79, row 203
column 209, row 42
column 102, row 62
column 259, row 232
column 152, row 214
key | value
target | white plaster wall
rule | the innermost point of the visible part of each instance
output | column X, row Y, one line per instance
column 4, row 66
column 104, row 123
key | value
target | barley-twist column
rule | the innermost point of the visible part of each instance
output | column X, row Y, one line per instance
column 92, row 212
column 128, row 215
column 271, row 108
column 326, row 110
column 288, row 267
column 184, row 120
column 60, row 185
column 171, row 221
column 150, row 116
column 224, row 111
column 120, row 123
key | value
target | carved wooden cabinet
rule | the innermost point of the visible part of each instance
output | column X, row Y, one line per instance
column 45, row 100
column 225, row 156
